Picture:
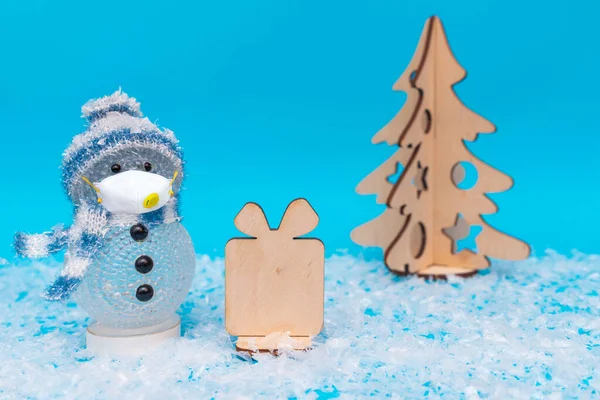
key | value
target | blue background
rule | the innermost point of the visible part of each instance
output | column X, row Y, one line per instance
column 274, row 100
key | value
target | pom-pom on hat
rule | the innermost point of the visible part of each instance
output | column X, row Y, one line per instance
column 117, row 134
column 117, row 102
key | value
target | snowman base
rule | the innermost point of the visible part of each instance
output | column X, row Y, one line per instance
column 105, row 340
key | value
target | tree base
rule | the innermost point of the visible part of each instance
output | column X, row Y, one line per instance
column 436, row 272
column 439, row 272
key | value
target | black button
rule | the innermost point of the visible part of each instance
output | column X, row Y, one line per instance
column 144, row 293
column 144, row 264
column 139, row 232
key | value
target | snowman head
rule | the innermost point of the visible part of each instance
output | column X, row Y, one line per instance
column 123, row 161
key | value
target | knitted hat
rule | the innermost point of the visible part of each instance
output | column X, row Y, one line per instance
column 117, row 134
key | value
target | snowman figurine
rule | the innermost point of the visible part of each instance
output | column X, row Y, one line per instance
column 129, row 261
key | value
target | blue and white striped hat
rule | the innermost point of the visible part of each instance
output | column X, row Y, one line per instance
column 117, row 132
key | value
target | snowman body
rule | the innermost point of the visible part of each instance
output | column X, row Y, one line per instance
column 139, row 276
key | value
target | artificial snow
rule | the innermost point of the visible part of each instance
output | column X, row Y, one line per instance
column 520, row 330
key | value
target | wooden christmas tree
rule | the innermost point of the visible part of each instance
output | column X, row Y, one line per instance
column 427, row 213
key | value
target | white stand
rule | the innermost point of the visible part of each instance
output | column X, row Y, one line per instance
column 111, row 341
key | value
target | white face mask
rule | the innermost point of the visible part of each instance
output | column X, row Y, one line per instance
column 133, row 192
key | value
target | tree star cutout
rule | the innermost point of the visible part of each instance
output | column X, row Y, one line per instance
column 460, row 233
column 420, row 179
column 398, row 169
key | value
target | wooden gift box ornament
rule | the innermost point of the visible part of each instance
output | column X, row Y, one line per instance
column 274, row 280
column 428, row 210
